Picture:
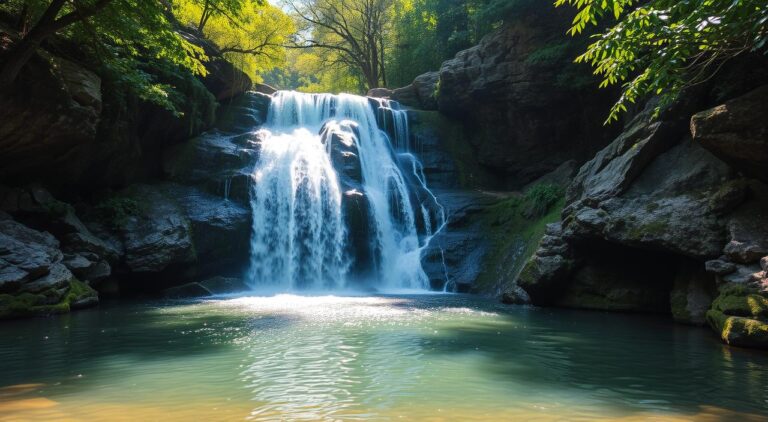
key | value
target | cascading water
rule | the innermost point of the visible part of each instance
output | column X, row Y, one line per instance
column 335, row 198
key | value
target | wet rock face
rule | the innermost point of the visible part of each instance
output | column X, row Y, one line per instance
column 456, row 255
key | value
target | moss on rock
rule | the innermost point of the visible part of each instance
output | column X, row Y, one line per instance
column 514, row 227
column 79, row 295
column 740, row 316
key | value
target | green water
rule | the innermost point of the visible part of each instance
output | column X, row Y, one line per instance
column 421, row 357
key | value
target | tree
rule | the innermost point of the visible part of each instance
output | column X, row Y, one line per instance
column 47, row 24
column 661, row 47
column 351, row 33
column 210, row 8
column 119, row 34
column 253, row 39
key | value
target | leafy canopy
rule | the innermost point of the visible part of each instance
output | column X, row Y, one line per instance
column 250, row 33
column 120, row 38
column 661, row 47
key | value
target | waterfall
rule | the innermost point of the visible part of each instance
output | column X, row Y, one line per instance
column 336, row 199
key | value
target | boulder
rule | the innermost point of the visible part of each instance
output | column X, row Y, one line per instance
column 264, row 89
column 421, row 94
column 341, row 140
column 740, row 316
column 719, row 266
column 515, row 295
column 33, row 278
column 748, row 232
column 160, row 235
column 737, row 132
column 406, row 96
column 27, row 255
column 379, row 93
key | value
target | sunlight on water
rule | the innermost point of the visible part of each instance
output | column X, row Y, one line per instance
column 384, row 357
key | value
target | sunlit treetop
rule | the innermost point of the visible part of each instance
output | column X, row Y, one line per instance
column 250, row 33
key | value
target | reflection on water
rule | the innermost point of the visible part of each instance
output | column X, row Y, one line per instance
column 420, row 357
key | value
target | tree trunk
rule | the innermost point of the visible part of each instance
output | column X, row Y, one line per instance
column 204, row 16
column 16, row 59
column 25, row 49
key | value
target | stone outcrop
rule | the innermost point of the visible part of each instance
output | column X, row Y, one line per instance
column 86, row 255
column 737, row 132
column 147, row 237
column 683, row 224
column 526, row 107
column 72, row 129
column 34, row 279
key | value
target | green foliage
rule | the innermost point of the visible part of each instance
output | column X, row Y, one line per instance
column 250, row 33
column 39, row 304
column 428, row 32
column 662, row 47
column 540, row 198
column 117, row 210
column 550, row 53
column 119, row 38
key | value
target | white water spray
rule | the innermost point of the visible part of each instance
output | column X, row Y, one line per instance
column 300, row 233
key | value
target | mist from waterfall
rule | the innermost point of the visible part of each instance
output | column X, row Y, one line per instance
column 322, row 155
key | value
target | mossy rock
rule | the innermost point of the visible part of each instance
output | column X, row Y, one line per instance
column 739, row 331
column 750, row 305
column 740, row 316
column 79, row 296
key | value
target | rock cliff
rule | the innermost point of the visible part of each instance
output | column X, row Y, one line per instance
column 526, row 107
column 670, row 217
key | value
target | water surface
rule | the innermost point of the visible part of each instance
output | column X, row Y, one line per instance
column 407, row 357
